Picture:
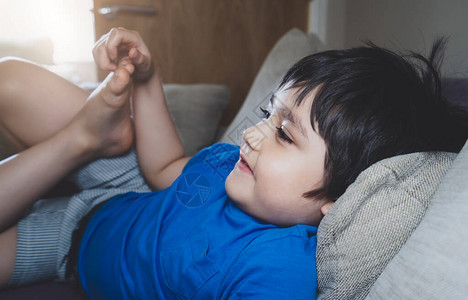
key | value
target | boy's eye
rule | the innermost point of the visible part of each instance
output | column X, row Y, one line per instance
column 282, row 135
column 266, row 113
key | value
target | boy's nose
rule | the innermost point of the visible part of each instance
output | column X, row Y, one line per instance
column 254, row 136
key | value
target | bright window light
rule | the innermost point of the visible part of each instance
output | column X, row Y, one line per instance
column 68, row 24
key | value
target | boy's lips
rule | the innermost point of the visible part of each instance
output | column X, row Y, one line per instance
column 243, row 165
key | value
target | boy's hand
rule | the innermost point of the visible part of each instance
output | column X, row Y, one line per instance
column 123, row 43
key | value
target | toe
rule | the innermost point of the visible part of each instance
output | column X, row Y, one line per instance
column 120, row 82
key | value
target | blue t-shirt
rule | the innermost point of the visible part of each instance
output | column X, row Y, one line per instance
column 190, row 241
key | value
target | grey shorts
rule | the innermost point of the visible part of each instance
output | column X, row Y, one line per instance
column 44, row 234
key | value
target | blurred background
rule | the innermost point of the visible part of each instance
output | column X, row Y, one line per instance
column 397, row 24
column 56, row 33
column 221, row 41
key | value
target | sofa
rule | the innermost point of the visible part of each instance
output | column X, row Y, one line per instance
column 396, row 233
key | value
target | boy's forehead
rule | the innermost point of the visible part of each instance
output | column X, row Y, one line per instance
column 283, row 91
column 283, row 101
column 288, row 94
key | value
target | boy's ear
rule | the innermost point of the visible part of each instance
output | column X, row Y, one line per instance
column 326, row 207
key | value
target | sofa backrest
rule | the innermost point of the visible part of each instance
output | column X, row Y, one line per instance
column 433, row 264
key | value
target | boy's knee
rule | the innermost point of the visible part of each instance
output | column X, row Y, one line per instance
column 11, row 66
column 11, row 63
column 8, row 66
column 12, row 71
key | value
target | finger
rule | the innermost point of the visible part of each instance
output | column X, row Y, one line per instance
column 102, row 38
column 139, row 60
column 121, row 39
column 143, row 64
column 127, row 65
column 100, row 54
column 111, row 51
column 102, row 59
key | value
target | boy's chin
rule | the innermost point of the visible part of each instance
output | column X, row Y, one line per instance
column 230, row 185
column 233, row 191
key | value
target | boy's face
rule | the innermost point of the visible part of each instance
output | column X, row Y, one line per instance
column 281, row 158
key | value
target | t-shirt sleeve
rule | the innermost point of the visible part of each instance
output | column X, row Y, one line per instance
column 277, row 269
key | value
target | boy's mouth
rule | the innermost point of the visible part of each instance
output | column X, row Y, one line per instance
column 243, row 165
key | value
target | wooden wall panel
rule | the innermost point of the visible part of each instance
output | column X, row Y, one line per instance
column 211, row 41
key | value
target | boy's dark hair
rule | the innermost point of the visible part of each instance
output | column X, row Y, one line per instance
column 372, row 104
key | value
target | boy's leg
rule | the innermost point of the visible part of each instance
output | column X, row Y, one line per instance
column 108, row 113
column 34, row 103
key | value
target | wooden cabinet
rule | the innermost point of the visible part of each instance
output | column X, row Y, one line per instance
column 207, row 41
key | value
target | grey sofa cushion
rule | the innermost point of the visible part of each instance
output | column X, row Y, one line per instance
column 432, row 264
column 196, row 110
column 367, row 226
column 294, row 45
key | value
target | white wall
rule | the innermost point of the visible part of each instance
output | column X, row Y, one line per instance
column 327, row 18
column 397, row 24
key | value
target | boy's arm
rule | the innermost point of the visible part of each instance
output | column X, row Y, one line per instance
column 160, row 152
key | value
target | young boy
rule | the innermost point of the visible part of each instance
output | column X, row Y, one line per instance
column 222, row 224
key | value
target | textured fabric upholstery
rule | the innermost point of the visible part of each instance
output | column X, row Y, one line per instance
column 432, row 264
column 367, row 226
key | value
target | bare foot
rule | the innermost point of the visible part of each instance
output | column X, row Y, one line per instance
column 105, row 118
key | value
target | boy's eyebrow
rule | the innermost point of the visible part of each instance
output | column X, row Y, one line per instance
column 287, row 114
